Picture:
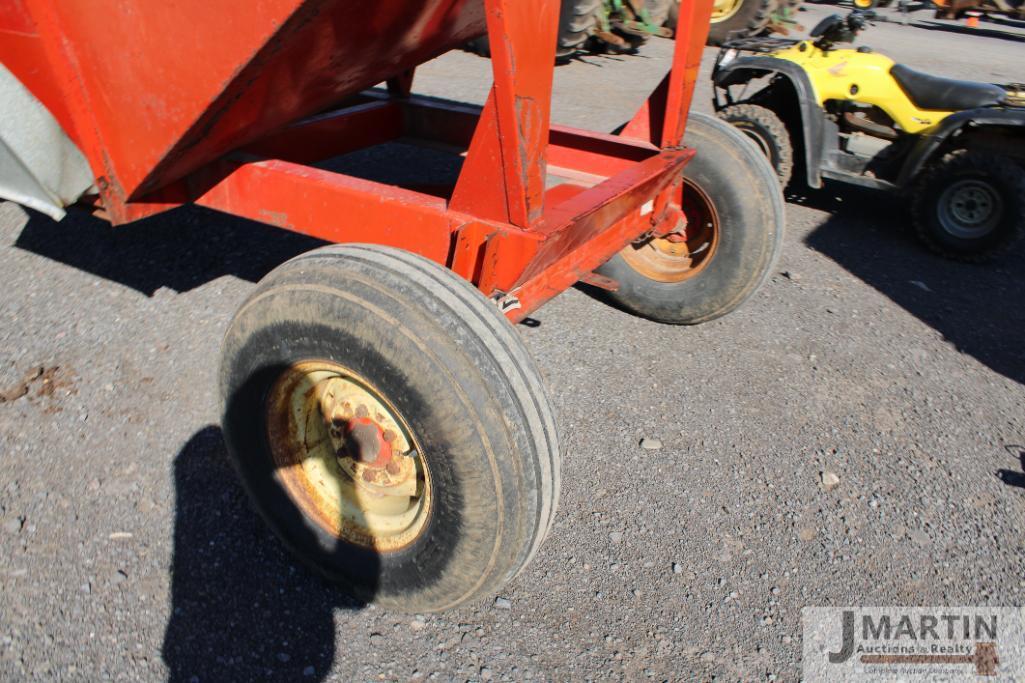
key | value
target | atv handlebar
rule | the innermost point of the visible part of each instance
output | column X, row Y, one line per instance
column 837, row 28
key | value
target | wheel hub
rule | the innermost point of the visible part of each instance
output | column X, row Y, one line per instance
column 969, row 208
column 346, row 456
column 684, row 253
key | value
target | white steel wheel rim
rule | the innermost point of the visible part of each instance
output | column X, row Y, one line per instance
column 380, row 507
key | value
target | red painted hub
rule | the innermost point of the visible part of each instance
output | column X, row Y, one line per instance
column 366, row 442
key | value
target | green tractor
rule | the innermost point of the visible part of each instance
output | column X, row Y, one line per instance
column 625, row 25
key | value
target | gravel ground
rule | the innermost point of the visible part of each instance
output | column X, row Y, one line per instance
column 128, row 551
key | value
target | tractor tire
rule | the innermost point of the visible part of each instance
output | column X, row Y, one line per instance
column 970, row 206
column 763, row 127
column 659, row 11
column 734, row 208
column 390, row 426
column 578, row 21
column 740, row 19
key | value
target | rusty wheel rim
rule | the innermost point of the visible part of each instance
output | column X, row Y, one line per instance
column 346, row 457
column 671, row 259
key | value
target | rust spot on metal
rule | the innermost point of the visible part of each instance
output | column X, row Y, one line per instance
column 276, row 218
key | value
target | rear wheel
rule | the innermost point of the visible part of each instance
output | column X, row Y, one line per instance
column 970, row 206
column 739, row 19
column 765, row 129
column 390, row 426
column 734, row 210
column 659, row 11
column 578, row 21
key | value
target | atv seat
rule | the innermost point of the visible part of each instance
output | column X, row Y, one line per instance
column 945, row 94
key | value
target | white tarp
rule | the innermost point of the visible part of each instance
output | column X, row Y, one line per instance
column 40, row 167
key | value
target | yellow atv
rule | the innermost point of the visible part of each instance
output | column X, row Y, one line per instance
column 955, row 148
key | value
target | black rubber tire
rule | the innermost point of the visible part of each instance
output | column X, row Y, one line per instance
column 749, row 20
column 659, row 10
column 1002, row 174
column 578, row 20
column 457, row 371
column 767, row 132
column 749, row 202
column 479, row 46
column 673, row 17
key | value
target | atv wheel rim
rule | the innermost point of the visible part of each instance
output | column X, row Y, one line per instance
column 970, row 209
column 675, row 258
column 346, row 456
column 724, row 9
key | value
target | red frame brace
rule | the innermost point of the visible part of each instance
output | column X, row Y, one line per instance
column 498, row 227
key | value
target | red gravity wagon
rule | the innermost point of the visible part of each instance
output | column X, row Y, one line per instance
column 379, row 405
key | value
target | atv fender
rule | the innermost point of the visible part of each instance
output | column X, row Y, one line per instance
column 933, row 138
column 813, row 129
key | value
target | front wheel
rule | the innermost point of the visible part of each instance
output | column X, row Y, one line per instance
column 734, row 210
column 389, row 425
column 970, row 206
column 765, row 129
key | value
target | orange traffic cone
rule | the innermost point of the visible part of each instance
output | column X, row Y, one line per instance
column 973, row 20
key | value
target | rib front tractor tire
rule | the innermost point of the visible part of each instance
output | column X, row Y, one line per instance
column 390, row 426
column 734, row 209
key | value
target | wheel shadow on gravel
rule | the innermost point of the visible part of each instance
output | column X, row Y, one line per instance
column 976, row 307
column 241, row 608
column 1010, row 477
column 181, row 249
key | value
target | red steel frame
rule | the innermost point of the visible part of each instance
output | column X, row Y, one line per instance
column 499, row 227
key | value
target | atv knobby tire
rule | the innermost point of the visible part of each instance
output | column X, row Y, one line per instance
column 763, row 127
column 970, row 206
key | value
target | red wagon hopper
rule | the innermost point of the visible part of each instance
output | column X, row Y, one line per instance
column 380, row 407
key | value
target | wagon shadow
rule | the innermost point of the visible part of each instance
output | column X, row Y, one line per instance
column 181, row 249
column 241, row 608
column 977, row 308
